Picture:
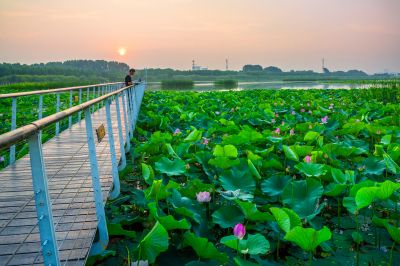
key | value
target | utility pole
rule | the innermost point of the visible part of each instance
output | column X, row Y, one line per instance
column 226, row 64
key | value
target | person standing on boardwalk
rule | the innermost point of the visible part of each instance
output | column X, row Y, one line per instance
column 128, row 78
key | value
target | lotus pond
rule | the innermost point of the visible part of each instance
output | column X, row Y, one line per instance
column 262, row 177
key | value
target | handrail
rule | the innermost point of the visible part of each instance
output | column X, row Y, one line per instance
column 38, row 92
column 14, row 136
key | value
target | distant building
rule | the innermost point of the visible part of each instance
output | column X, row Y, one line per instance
column 196, row 67
column 324, row 69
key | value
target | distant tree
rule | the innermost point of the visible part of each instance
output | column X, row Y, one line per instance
column 356, row 72
column 252, row 68
column 273, row 70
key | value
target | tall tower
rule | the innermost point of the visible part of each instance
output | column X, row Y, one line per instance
column 226, row 65
column 323, row 64
column 193, row 64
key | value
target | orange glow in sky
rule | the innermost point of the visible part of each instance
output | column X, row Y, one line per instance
column 291, row 34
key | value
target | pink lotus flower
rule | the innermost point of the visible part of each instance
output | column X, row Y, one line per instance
column 307, row 159
column 177, row 132
column 278, row 131
column 291, row 132
column 302, row 110
column 205, row 141
column 239, row 231
column 203, row 197
column 324, row 120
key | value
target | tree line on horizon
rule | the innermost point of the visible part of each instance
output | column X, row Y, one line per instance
column 98, row 71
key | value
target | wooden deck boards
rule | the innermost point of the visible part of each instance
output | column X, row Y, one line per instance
column 70, row 186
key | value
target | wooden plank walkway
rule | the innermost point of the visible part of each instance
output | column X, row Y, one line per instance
column 70, row 185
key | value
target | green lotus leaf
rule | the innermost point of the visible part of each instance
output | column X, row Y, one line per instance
column 253, row 245
column 185, row 206
column 251, row 212
column 147, row 173
column 234, row 179
column 385, row 140
column 302, row 150
column 273, row 163
column 302, row 196
column 228, row 216
column 290, row 153
column 117, row 230
column 241, row 262
column 155, row 242
column 171, row 168
column 311, row 136
column 225, row 151
column 275, row 185
column 203, row 248
column 357, row 237
column 168, row 221
column 253, row 169
column 308, row 238
column 391, row 165
column 394, row 232
column 245, row 136
column 281, row 218
column 366, row 195
column 256, row 245
column 159, row 191
column 311, row 169
column 224, row 162
column 374, row 166
column 194, row 136
column 334, row 190
column 386, row 189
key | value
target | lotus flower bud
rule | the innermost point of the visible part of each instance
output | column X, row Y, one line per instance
column 239, row 231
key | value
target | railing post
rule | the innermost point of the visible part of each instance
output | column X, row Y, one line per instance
column 130, row 105
column 126, row 122
column 98, row 95
column 42, row 202
column 94, row 96
column 80, row 101
column 13, row 126
column 98, row 197
column 134, row 107
column 102, row 93
column 116, row 185
column 70, row 105
column 58, row 110
column 40, row 112
column 120, row 135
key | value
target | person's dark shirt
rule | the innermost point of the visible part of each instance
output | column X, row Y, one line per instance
column 128, row 79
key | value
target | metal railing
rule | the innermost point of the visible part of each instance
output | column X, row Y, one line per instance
column 131, row 100
column 101, row 90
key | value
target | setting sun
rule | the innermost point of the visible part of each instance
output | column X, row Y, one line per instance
column 122, row 51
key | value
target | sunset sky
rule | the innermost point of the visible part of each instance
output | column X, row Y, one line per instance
column 291, row 34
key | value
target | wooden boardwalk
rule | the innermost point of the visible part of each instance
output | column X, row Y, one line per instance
column 68, row 171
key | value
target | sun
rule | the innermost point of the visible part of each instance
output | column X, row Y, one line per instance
column 122, row 51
